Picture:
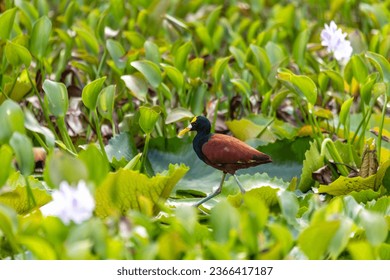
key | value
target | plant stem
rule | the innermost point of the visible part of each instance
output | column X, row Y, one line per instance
column 64, row 134
column 41, row 142
column 44, row 109
column 102, row 61
column 145, row 152
column 334, row 154
column 30, row 195
column 381, row 125
column 99, row 134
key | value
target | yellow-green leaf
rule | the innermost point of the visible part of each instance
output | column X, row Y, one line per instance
column 344, row 185
column 91, row 92
column 19, row 200
column 315, row 239
column 128, row 189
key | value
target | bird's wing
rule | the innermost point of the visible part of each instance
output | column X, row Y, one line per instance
column 224, row 149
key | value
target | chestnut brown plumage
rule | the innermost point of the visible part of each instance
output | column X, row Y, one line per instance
column 222, row 152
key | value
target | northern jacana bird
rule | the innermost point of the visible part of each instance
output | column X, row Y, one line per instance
column 222, row 152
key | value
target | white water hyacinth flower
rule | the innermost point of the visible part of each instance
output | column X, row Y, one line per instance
column 71, row 203
column 334, row 39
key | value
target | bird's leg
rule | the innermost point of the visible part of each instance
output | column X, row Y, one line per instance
column 217, row 192
column 239, row 184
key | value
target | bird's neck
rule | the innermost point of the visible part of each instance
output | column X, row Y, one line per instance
column 200, row 139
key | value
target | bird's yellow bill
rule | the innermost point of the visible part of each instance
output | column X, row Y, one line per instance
column 184, row 131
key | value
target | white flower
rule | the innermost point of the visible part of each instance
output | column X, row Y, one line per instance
column 70, row 203
column 334, row 39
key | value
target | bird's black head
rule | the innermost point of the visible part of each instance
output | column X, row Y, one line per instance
column 199, row 124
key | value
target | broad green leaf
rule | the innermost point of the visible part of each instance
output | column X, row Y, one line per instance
column 175, row 76
column 106, row 102
column 365, row 195
column 20, row 88
column 244, row 129
column 150, row 70
column 289, row 205
column 224, row 220
column 284, row 239
column 135, row 38
column 381, row 64
column 42, row 29
column 195, row 68
column 32, row 124
column 56, row 98
column 212, row 20
column 257, row 206
column 242, row 87
column 95, row 162
column 383, row 175
column 63, row 167
column 299, row 84
column 375, row 226
column 238, row 55
column 313, row 161
column 87, row 37
column 137, row 85
column 11, row 120
column 22, row 146
column 274, row 52
column 299, row 47
column 91, row 92
column 17, row 54
column 204, row 36
column 121, row 148
column 118, row 194
column 344, row 185
column 265, row 193
column 176, row 22
column 152, row 52
column 361, row 250
column 117, row 52
column 323, row 113
column 134, row 162
column 367, row 86
column 198, row 99
column 335, row 78
column 375, row 12
column 6, row 155
column 384, row 251
column 38, row 246
column 181, row 56
column 381, row 206
column 17, row 196
column 219, row 68
column 29, row 14
column 148, row 118
column 177, row 115
column 345, row 110
column 359, row 68
column 314, row 241
column 262, row 60
column 70, row 13
column 6, row 22
column 9, row 224
column 341, row 238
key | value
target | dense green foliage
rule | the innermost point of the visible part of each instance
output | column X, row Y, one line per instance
column 102, row 87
